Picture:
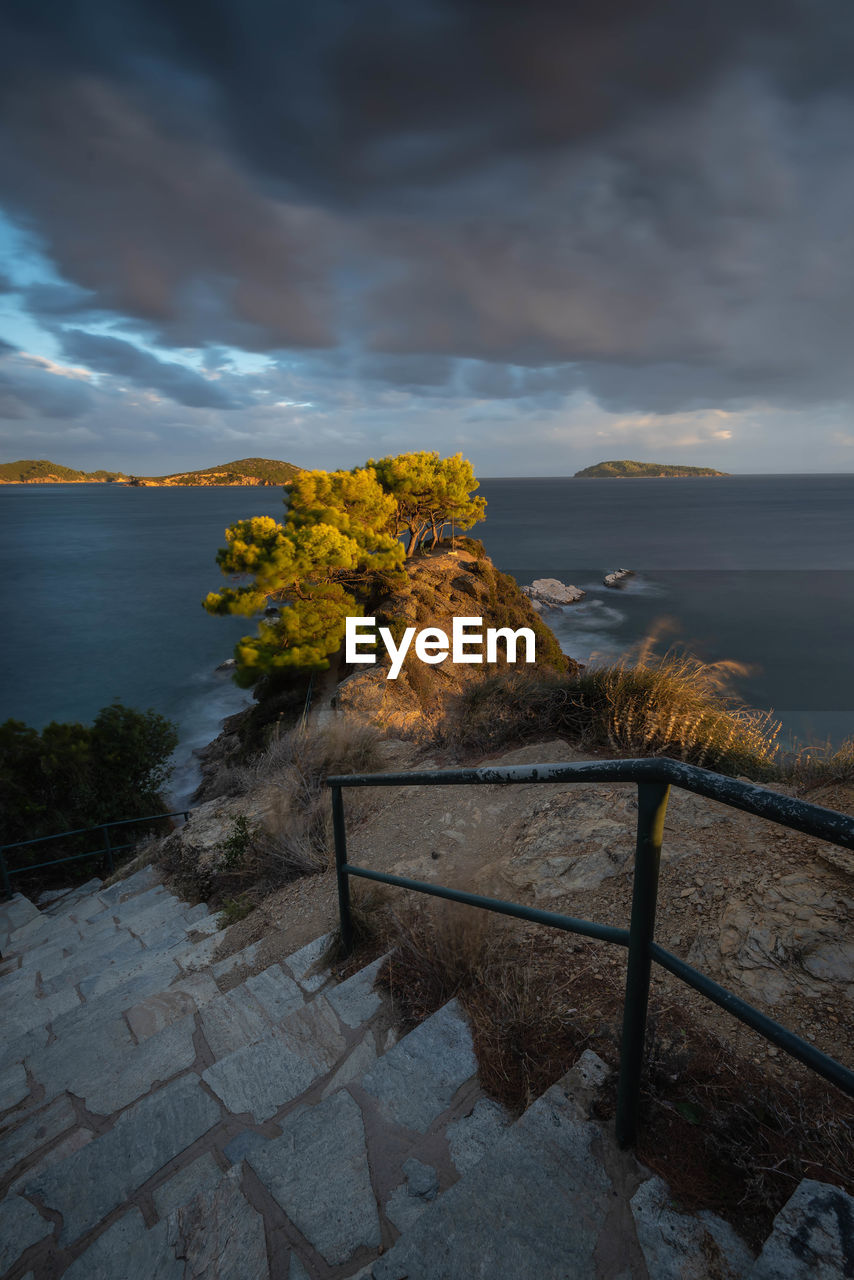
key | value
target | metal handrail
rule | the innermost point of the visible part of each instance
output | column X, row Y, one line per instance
column 108, row 850
column 653, row 777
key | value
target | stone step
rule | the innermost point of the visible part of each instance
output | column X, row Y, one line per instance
column 138, row 904
column 173, row 1116
column 350, row 1170
column 534, row 1205
column 315, row 1176
column 109, row 1050
column 550, row 1197
column 182, row 1137
column 14, row 914
column 130, row 1104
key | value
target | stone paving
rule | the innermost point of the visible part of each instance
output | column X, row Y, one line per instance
column 155, row 1126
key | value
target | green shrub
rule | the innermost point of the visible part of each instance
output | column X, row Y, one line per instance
column 236, row 845
column 72, row 775
column 234, row 909
column 473, row 546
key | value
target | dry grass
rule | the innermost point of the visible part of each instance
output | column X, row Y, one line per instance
column 296, row 840
column 296, row 766
column 724, row 1134
column 676, row 705
column 669, row 705
column 372, row 929
column 729, row 1138
column 814, row 767
column 523, row 999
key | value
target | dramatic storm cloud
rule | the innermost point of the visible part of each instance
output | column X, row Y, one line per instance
column 544, row 234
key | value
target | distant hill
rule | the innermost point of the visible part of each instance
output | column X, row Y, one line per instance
column 40, row 471
column 254, row 471
column 629, row 469
column 258, row 471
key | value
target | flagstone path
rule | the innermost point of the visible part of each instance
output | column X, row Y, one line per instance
column 157, row 1121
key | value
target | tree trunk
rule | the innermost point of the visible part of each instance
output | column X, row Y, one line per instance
column 416, row 533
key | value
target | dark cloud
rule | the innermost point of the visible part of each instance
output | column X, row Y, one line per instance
column 52, row 302
column 339, row 98
column 124, row 360
column 649, row 199
column 29, row 389
column 414, row 371
column 161, row 227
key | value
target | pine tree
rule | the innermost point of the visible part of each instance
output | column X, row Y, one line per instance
column 336, row 534
column 429, row 492
column 341, row 530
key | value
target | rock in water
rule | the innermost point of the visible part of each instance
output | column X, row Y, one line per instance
column 614, row 579
column 553, row 594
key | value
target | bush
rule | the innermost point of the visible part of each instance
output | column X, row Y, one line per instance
column 72, row 775
column 509, row 706
column 473, row 546
column 234, row 909
column 236, row 846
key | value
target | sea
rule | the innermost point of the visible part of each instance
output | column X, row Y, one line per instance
column 104, row 584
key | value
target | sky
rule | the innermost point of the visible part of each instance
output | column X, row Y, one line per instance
column 323, row 231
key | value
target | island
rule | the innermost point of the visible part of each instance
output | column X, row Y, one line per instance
column 246, row 471
column 627, row 469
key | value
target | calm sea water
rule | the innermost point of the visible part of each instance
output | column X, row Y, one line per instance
column 103, row 588
column 757, row 570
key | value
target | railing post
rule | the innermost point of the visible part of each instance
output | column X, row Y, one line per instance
column 652, row 806
column 108, row 850
column 5, row 879
column 340, row 833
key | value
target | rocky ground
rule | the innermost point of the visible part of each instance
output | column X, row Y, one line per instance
column 764, row 910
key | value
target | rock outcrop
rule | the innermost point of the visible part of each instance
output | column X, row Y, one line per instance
column 439, row 588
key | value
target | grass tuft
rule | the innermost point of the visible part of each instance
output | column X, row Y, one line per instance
column 659, row 705
column 298, row 765
column 814, row 767
column 296, row 836
column 234, row 909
